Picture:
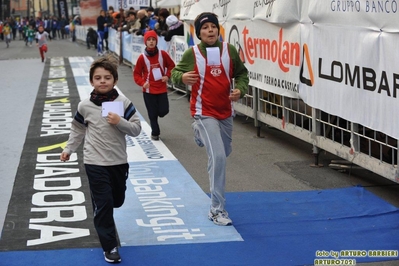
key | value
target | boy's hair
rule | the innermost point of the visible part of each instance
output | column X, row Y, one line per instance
column 131, row 12
column 108, row 63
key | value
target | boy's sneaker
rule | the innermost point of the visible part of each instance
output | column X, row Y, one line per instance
column 112, row 256
column 154, row 137
column 197, row 137
column 220, row 218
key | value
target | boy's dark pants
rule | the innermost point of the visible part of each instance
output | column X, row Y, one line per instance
column 107, row 187
column 157, row 106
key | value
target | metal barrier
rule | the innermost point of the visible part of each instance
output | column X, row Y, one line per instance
column 367, row 148
column 372, row 150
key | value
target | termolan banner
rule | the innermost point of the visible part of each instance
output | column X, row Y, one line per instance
column 272, row 54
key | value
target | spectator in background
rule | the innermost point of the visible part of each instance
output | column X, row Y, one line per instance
column 47, row 25
column 175, row 27
column 32, row 22
column 21, row 29
column 152, row 18
column 143, row 18
column 91, row 38
column 55, row 28
column 62, row 24
column 101, row 24
column 120, row 19
column 14, row 27
column 75, row 21
column 113, row 14
column 108, row 20
column 71, row 29
column 132, row 24
column 162, row 28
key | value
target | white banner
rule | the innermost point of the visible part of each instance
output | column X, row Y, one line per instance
column 167, row 3
column 272, row 11
column 177, row 47
column 376, row 15
column 355, row 75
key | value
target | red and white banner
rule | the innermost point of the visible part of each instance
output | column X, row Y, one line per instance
column 272, row 54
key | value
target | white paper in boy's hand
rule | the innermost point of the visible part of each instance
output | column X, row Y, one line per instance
column 156, row 72
column 213, row 56
column 113, row 107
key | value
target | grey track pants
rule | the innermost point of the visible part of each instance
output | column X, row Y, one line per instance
column 216, row 135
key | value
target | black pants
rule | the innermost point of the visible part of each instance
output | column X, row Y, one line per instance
column 107, row 187
column 106, row 40
column 157, row 106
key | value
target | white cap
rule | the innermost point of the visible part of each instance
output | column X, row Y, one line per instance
column 171, row 20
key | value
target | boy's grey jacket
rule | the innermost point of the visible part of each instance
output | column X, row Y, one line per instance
column 105, row 144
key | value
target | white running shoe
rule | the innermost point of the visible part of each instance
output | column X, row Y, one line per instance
column 220, row 218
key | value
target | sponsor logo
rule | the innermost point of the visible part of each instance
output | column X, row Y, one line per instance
column 187, row 4
column 360, row 77
column 222, row 4
column 216, row 71
column 262, row 4
column 279, row 51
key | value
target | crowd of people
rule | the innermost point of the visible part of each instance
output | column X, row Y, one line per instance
column 136, row 22
column 38, row 30
column 26, row 28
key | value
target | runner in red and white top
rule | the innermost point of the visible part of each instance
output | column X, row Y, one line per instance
column 218, row 77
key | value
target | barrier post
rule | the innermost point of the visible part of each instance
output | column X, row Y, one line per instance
column 315, row 133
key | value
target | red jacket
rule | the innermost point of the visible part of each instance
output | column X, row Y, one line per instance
column 147, row 66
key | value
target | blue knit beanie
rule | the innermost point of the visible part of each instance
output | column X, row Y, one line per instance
column 204, row 18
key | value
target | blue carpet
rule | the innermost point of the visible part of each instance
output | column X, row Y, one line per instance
column 278, row 228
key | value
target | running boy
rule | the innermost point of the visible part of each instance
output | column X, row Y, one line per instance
column 105, row 156
column 30, row 34
column 41, row 40
column 218, row 77
column 7, row 33
column 152, row 72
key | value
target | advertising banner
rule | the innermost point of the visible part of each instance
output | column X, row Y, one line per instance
column 376, row 15
column 355, row 75
column 126, row 4
column 177, row 47
column 62, row 8
column 272, row 11
column 271, row 54
column 166, row 3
